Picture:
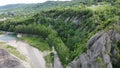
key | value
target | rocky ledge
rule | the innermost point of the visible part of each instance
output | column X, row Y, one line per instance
column 103, row 51
column 8, row 61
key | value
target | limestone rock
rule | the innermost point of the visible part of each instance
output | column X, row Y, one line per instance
column 100, row 46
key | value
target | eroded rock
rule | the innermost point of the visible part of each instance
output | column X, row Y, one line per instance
column 100, row 49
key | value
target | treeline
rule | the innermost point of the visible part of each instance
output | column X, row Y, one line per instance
column 90, row 2
column 46, row 33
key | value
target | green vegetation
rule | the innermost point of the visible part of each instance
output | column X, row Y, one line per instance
column 66, row 28
column 15, row 52
column 23, row 10
column 100, row 61
column 37, row 42
column 1, row 32
column 117, row 56
column 49, row 59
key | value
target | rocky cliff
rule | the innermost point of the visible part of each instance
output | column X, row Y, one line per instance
column 8, row 61
column 102, row 52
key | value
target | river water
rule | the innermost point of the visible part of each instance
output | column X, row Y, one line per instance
column 7, row 37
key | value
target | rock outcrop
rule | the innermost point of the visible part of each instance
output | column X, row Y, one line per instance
column 8, row 61
column 102, row 50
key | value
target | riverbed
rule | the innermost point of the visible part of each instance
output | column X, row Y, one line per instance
column 35, row 58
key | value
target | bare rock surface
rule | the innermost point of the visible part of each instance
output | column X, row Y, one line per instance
column 8, row 61
column 100, row 49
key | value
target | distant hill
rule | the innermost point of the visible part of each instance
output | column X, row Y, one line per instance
column 10, row 6
column 49, row 4
column 27, row 9
column 32, row 7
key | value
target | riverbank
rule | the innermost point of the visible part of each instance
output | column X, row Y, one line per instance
column 41, row 45
column 34, row 57
column 36, row 49
column 36, row 42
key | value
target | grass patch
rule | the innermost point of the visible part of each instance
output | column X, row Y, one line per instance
column 37, row 42
column 49, row 60
column 13, row 51
column 1, row 32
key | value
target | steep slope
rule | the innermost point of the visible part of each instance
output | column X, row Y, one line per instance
column 102, row 52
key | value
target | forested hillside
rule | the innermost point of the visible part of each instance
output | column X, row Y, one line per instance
column 27, row 9
column 68, row 28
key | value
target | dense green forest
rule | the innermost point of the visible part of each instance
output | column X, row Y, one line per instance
column 67, row 28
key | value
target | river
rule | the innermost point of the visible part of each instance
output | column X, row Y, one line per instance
column 34, row 56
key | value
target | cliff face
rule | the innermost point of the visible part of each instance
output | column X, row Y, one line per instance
column 102, row 52
column 8, row 61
